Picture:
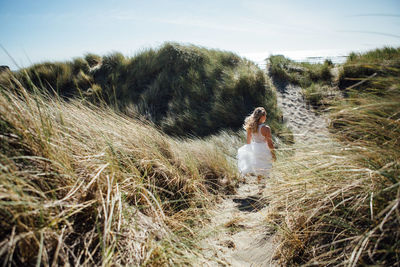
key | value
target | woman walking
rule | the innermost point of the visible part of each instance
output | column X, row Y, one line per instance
column 256, row 156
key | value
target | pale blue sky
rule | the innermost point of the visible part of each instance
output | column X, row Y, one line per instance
column 36, row 31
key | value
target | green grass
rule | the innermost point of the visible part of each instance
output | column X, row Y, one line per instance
column 186, row 90
column 315, row 79
column 384, row 63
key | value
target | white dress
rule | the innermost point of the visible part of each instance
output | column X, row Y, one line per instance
column 255, row 157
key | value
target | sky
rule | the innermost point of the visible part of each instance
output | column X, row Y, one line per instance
column 57, row 30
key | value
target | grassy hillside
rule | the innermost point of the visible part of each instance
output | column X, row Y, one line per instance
column 336, row 202
column 86, row 185
column 315, row 79
column 372, row 71
column 184, row 89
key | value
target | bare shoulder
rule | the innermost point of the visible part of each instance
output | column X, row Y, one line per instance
column 265, row 130
column 248, row 133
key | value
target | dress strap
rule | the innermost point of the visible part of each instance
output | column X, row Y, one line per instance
column 258, row 137
column 259, row 127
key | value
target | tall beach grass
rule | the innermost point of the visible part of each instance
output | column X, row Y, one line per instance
column 371, row 71
column 86, row 185
column 335, row 202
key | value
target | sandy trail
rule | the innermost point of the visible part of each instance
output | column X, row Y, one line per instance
column 305, row 124
column 239, row 234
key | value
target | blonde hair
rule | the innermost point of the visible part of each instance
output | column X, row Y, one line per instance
column 251, row 122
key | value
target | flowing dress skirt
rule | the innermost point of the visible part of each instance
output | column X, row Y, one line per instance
column 254, row 158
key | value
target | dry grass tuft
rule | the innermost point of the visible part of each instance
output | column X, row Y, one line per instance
column 317, row 191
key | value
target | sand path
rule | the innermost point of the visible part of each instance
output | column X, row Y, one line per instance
column 239, row 234
column 305, row 123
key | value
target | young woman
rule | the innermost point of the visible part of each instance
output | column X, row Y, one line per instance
column 257, row 155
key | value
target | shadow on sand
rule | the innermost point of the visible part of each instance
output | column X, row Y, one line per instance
column 250, row 203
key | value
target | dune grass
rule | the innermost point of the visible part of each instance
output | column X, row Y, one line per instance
column 335, row 202
column 383, row 63
column 301, row 73
column 86, row 185
column 187, row 90
column 316, row 79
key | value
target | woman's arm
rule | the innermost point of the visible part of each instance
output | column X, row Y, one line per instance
column 248, row 136
column 266, row 131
